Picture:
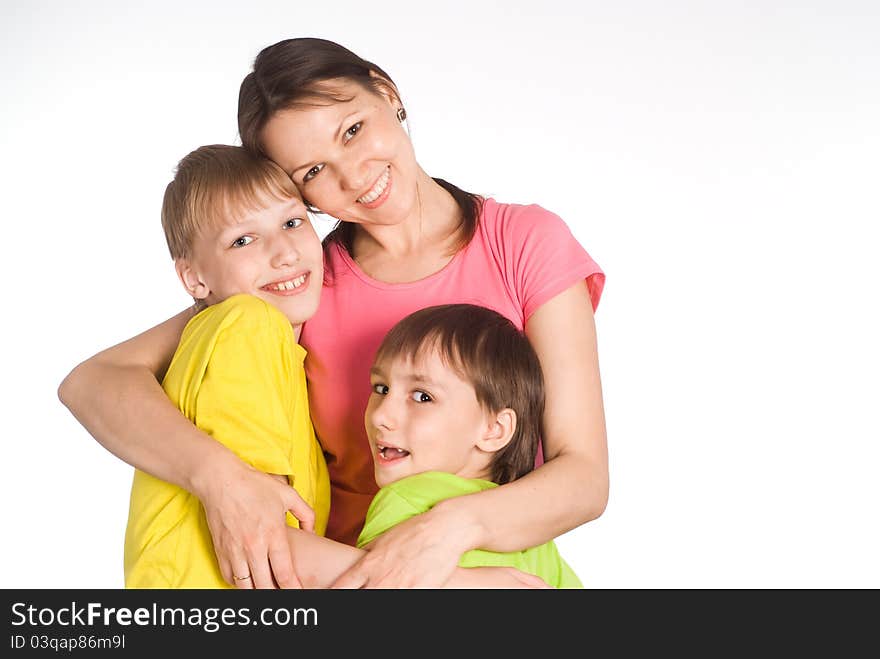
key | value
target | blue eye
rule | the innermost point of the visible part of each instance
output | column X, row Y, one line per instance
column 380, row 389
column 421, row 396
column 293, row 223
column 312, row 173
column 351, row 132
column 242, row 241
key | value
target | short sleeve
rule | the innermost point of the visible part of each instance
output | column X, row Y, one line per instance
column 245, row 399
column 542, row 258
column 388, row 508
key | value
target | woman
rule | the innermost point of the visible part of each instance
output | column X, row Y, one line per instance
column 334, row 123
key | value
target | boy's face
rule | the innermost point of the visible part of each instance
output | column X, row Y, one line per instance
column 422, row 416
column 272, row 252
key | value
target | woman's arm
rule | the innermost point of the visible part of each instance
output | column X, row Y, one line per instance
column 117, row 397
column 570, row 488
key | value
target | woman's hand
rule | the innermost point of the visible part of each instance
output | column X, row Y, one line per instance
column 496, row 578
column 422, row 552
column 245, row 509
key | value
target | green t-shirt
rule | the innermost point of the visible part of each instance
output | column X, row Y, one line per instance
column 417, row 494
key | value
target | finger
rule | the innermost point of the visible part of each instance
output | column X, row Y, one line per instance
column 350, row 579
column 226, row 570
column 282, row 563
column 531, row 580
column 261, row 574
column 241, row 575
column 301, row 510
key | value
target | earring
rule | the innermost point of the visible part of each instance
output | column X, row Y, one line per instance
column 401, row 115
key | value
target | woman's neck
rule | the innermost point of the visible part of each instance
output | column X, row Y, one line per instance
column 416, row 247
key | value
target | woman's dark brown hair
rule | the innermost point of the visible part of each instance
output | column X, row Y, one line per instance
column 288, row 74
column 489, row 352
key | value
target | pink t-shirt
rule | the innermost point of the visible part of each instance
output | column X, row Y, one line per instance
column 519, row 258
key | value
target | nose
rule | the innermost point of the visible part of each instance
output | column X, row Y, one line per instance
column 354, row 175
column 284, row 252
column 381, row 413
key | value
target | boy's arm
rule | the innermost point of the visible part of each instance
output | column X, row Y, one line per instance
column 391, row 506
column 320, row 561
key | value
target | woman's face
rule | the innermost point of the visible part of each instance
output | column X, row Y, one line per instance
column 350, row 159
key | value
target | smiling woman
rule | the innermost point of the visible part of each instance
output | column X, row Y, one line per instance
column 347, row 156
column 405, row 241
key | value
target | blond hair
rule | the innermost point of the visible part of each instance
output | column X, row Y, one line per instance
column 211, row 185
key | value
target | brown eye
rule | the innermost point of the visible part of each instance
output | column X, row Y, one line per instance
column 351, row 132
column 242, row 241
column 312, row 173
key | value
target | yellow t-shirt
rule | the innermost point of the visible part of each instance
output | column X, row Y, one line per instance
column 238, row 375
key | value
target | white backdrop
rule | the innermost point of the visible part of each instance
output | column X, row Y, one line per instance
column 719, row 160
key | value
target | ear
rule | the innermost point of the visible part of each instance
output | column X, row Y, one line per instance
column 191, row 279
column 499, row 431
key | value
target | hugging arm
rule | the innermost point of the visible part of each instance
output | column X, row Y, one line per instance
column 117, row 397
column 321, row 561
column 569, row 489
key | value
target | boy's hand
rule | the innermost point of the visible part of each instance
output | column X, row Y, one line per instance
column 245, row 509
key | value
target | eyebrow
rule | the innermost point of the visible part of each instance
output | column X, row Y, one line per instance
column 228, row 232
column 294, row 207
column 412, row 378
column 342, row 123
column 424, row 380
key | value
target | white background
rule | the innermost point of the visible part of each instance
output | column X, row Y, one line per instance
column 719, row 160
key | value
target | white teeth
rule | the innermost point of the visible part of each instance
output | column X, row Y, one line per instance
column 290, row 284
column 378, row 189
column 397, row 452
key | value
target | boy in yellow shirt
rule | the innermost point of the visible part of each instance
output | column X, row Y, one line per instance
column 245, row 250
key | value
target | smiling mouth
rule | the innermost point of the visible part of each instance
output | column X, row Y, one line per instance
column 379, row 191
column 287, row 284
column 390, row 453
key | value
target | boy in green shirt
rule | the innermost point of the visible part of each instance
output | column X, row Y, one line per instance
column 456, row 407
